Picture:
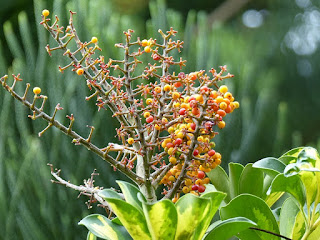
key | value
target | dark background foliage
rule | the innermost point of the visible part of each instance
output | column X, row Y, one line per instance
column 272, row 47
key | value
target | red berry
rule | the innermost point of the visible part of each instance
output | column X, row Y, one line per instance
column 156, row 57
column 201, row 189
column 149, row 119
column 221, row 112
column 182, row 111
column 201, row 174
column 193, row 126
column 193, row 103
column 178, row 141
column 177, row 84
column 204, row 89
column 192, row 98
column 196, row 152
column 211, row 152
column 195, row 111
column 195, row 187
column 169, row 145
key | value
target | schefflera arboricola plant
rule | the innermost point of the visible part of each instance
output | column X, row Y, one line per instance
column 168, row 120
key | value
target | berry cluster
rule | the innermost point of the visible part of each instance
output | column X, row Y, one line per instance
column 167, row 119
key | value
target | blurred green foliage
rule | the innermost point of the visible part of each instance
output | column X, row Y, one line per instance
column 279, row 98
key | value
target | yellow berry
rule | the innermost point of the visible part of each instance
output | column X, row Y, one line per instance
column 150, row 42
column 45, row 13
column 157, row 127
column 167, row 88
column 176, row 104
column 130, row 141
column 175, row 95
column 221, row 124
column 146, row 114
column 147, row 49
column 144, row 42
column 223, row 105
column 188, row 182
column 149, row 101
column 236, row 104
column 94, row 40
column 36, row 90
column 171, row 179
column 170, row 129
column 170, row 151
column 164, row 120
column 173, row 160
column 185, row 189
column 223, row 89
column 80, row 71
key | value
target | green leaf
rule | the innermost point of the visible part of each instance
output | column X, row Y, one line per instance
column 269, row 165
column 293, row 152
column 220, row 180
column 162, row 219
column 256, row 210
column 216, row 199
column 131, row 218
column 251, row 181
column 103, row 227
column 108, row 193
column 130, row 193
column 292, row 185
column 289, row 211
column 314, row 234
column 91, row 236
column 192, row 210
column 310, row 183
column 228, row 228
column 235, row 170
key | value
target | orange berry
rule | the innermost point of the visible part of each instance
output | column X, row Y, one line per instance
column 177, row 84
column 193, row 76
column 157, row 89
column 157, row 127
column 80, row 71
column 188, row 182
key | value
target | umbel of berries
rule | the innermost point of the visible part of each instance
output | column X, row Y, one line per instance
column 168, row 118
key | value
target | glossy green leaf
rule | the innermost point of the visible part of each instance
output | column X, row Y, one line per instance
column 293, row 152
column 216, row 199
column 220, row 180
column 289, row 211
column 192, row 210
column 287, row 159
column 130, row 193
column 103, row 227
column 251, row 181
column 235, row 170
column 269, row 165
column 255, row 209
column 91, row 236
column 131, row 218
column 292, row 185
column 162, row 219
column 108, row 193
column 228, row 228
column 310, row 183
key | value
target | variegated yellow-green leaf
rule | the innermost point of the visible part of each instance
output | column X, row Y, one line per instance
column 191, row 212
column 162, row 219
column 255, row 209
column 130, row 193
column 91, row 236
column 216, row 199
column 131, row 218
column 103, row 227
column 108, row 193
column 292, row 185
